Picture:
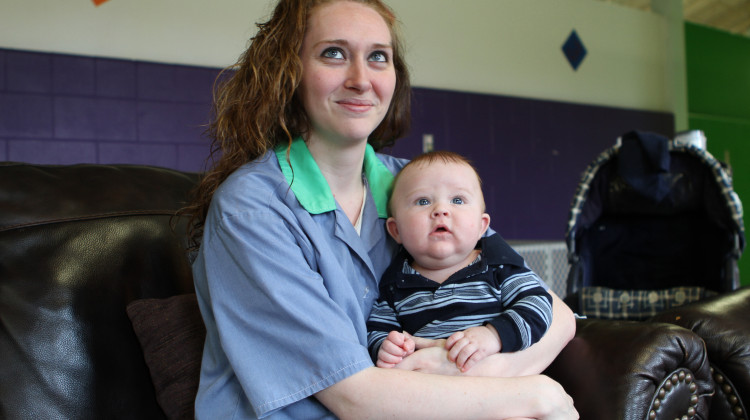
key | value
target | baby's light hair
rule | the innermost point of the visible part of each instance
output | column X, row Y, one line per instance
column 427, row 158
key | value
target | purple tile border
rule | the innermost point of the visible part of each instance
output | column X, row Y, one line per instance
column 163, row 122
column 25, row 115
column 171, row 83
column 63, row 109
column 192, row 158
column 529, row 153
column 101, row 110
column 28, row 72
column 141, row 154
column 2, row 70
column 95, row 118
column 51, row 152
column 73, row 75
column 115, row 78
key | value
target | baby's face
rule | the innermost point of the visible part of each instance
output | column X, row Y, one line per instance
column 438, row 213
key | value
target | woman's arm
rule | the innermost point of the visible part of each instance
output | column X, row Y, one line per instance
column 394, row 393
column 530, row 361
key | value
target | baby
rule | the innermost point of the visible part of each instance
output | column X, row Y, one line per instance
column 449, row 280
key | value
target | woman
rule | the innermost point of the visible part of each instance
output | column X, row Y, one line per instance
column 293, row 242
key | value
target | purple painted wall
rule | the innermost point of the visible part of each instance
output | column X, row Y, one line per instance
column 530, row 153
column 62, row 109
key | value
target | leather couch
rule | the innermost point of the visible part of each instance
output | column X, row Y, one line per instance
column 98, row 317
column 723, row 322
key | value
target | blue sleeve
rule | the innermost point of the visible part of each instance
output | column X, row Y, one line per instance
column 527, row 307
column 382, row 321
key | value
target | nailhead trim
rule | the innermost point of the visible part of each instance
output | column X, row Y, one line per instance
column 680, row 376
column 726, row 387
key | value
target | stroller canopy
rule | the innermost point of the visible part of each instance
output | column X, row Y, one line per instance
column 651, row 214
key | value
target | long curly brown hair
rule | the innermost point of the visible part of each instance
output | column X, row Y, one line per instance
column 256, row 106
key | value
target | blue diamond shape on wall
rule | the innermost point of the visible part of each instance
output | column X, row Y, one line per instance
column 574, row 50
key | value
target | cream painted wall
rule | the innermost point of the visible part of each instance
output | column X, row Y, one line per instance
column 513, row 47
column 195, row 32
column 509, row 47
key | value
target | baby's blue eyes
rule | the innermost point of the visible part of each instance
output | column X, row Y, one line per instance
column 426, row 202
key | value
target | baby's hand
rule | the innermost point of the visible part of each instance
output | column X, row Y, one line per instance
column 394, row 348
column 468, row 347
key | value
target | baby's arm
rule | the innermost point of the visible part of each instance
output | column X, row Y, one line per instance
column 387, row 346
column 394, row 348
column 527, row 308
column 525, row 318
column 431, row 356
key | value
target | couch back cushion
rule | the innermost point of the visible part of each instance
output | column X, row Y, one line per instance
column 78, row 243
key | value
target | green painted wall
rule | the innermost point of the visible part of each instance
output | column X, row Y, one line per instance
column 718, row 90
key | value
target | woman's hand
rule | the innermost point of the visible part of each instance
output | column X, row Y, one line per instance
column 423, row 343
column 433, row 359
column 554, row 402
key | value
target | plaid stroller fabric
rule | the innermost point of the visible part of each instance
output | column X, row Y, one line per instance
column 602, row 302
column 636, row 249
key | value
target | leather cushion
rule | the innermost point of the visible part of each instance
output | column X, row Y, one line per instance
column 171, row 333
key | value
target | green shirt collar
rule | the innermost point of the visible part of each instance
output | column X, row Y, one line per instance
column 312, row 190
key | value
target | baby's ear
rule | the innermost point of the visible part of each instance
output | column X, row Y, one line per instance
column 485, row 224
column 392, row 227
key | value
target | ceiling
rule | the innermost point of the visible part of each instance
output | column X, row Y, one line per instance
column 727, row 15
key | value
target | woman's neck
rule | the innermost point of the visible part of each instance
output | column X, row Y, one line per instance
column 342, row 169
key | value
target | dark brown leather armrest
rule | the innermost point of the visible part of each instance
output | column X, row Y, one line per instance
column 634, row 370
column 77, row 244
column 723, row 322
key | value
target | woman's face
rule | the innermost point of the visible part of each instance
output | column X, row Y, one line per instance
column 348, row 76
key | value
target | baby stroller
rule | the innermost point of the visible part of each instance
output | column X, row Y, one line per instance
column 655, row 223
